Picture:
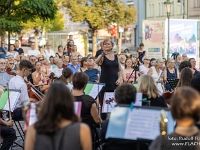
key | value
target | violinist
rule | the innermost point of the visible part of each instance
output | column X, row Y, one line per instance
column 17, row 82
column 4, row 77
column 39, row 78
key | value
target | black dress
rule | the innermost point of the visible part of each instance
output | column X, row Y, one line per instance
column 156, row 102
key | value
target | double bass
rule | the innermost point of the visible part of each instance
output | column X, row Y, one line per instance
column 33, row 93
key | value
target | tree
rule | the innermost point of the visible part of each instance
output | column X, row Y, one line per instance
column 15, row 12
column 48, row 25
column 100, row 13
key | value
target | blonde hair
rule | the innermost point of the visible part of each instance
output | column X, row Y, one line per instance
column 146, row 85
column 169, row 60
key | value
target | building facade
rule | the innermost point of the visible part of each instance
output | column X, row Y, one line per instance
column 194, row 9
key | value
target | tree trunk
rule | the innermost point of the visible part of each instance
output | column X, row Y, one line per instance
column 94, row 42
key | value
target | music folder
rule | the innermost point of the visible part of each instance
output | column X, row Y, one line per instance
column 13, row 95
column 93, row 89
column 138, row 123
column 173, row 82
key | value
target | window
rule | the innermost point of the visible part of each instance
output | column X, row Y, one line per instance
column 180, row 9
column 149, row 10
column 159, row 8
column 172, row 8
column 152, row 10
column 196, row 3
column 162, row 9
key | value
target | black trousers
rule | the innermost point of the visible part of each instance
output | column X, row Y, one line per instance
column 17, row 115
column 9, row 136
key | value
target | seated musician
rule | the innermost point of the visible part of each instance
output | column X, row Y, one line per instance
column 66, row 78
column 39, row 78
column 89, row 107
column 58, row 127
column 124, row 94
column 148, row 88
column 185, row 106
column 17, row 83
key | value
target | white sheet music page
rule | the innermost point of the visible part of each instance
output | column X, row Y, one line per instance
column 108, row 107
column 14, row 96
column 95, row 90
column 142, row 123
column 138, row 101
column 33, row 115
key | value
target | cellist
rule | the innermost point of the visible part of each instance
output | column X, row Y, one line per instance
column 17, row 82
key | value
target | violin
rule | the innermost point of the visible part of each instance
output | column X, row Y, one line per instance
column 32, row 91
column 167, row 95
column 52, row 77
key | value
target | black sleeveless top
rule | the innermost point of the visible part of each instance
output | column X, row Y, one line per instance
column 109, row 71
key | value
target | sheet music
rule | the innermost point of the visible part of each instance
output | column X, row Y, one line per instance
column 138, row 101
column 14, row 96
column 108, row 107
column 95, row 90
column 33, row 115
column 142, row 123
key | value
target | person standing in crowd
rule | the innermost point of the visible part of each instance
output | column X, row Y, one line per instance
column 58, row 126
column 4, row 77
column 65, row 59
column 195, row 83
column 122, row 59
column 130, row 75
column 185, row 77
column 70, row 39
column 185, row 106
column 185, row 64
column 33, row 51
column 7, row 133
column 124, row 94
column 89, row 108
column 143, row 69
column 170, row 73
column 92, row 73
column 178, row 60
column 99, row 52
column 17, row 83
column 69, row 47
column 140, row 53
column 184, row 57
column 66, row 78
column 149, row 90
column 74, row 51
column 18, row 49
column 58, row 71
column 32, row 60
column 152, row 62
column 39, row 78
column 74, row 66
column 60, row 53
column 3, row 50
column 193, row 64
column 48, row 52
column 156, row 71
column 83, row 64
column 12, row 52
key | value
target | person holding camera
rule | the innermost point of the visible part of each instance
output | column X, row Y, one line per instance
column 3, row 50
column 140, row 54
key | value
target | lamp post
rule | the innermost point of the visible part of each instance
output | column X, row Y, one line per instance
column 179, row 2
column 168, row 11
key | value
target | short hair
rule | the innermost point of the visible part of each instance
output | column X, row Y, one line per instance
column 125, row 93
column 108, row 40
column 141, row 44
column 191, row 59
column 16, row 41
column 184, row 64
column 25, row 64
column 32, row 43
column 185, row 103
column 50, row 57
column 12, row 45
column 79, row 80
column 195, row 82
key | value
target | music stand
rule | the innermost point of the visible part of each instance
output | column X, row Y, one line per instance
column 173, row 82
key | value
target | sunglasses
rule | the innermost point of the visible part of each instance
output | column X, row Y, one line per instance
column 33, row 59
column 41, row 59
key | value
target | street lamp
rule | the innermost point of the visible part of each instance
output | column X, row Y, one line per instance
column 179, row 2
column 168, row 11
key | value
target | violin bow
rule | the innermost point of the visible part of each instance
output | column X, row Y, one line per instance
column 9, row 102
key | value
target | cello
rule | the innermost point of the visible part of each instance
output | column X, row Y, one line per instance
column 32, row 91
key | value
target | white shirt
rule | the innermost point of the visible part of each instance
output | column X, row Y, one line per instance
column 57, row 72
column 17, row 83
column 143, row 68
column 70, row 86
column 13, row 54
column 33, row 52
column 46, row 54
column 155, row 75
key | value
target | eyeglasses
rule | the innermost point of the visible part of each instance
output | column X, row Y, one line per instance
column 11, row 63
column 146, row 59
column 48, row 45
column 3, row 63
column 41, row 59
column 2, row 43
column 33, row 59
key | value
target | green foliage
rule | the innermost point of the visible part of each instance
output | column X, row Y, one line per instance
column 15, row 12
